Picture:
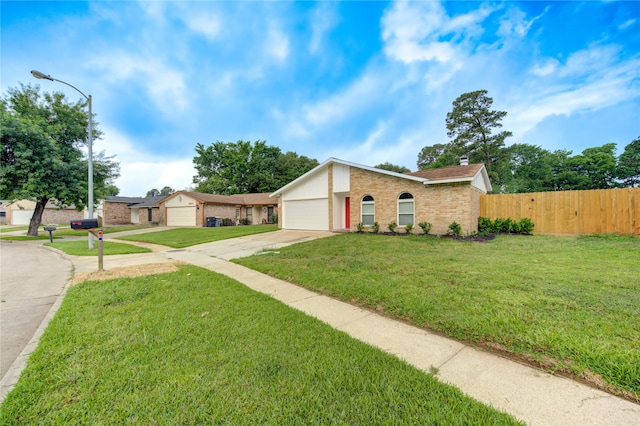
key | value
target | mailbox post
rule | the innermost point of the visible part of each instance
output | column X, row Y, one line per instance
column 91, row 226
column 99, row 235
column 50, row 229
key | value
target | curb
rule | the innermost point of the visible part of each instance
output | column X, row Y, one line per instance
column 12, row 375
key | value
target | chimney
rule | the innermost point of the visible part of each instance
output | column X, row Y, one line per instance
column 464, row 160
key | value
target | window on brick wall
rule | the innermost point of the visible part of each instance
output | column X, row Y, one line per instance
column 368, row 209
column 405, row 209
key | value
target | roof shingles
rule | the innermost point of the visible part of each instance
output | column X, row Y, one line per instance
column 445, row 173
column 238, row 199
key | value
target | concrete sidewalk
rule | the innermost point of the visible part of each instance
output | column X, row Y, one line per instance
column 529, row 394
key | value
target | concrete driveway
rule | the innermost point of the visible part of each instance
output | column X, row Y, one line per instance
column 246, row 246
column 32, row 277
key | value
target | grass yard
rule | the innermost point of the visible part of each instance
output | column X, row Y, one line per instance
column 185, row 237
column 41, row 236
column 569, row 304
column 81, row 248
column 62, row 231
column 195, row 347
column 11, row 228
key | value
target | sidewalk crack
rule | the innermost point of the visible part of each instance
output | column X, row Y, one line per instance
column 451, row 357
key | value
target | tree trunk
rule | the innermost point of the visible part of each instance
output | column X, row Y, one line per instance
column 36, row 219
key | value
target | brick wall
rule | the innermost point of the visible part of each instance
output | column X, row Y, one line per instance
column 116, row 213
column 438, row 204
column 60, row 216
column 220, row 210
column 143, row 215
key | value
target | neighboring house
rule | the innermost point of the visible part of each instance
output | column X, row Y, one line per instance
column 125, row 210
column 185, row 208
column 338, row 195
column 20, row 212
column 3, row 211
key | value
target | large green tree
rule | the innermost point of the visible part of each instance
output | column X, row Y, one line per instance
column 42, row 159
column 595, row 168
column 243, row 167
column 529, row 168
column 392, row 167
column 472, row 123
column 167, row 190
column 628, row 169
column 440, row 155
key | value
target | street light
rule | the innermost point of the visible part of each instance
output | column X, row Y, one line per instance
column 38, row 74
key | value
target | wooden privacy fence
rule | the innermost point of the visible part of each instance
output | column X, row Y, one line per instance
column 599, row 211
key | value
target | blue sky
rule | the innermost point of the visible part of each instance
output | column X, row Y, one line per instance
column 366, row 82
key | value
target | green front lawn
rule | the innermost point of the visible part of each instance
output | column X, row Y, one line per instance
column 65, row 231
column 185, row 237
column 570, row 304
column 194, row 347
column 11, row 228
column 81, row 248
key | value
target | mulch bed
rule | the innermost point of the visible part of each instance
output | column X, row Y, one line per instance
column 474, row 238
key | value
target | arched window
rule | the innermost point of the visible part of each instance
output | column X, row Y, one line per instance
column 405, row 209
column 368, row 210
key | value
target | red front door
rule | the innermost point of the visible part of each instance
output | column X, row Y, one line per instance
column 347, row 213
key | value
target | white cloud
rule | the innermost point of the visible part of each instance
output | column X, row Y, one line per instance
column 153, row 9
column 515, row 22
column 627, row 24
column 547, row 68
column 342, row 105
column 610, row 88
column 277, row 44
column 323, row 20
column 142, row 171
column 139, row 177
column 164, row 85
column 365, row 152
column 586, row 61
column 413, row 31
column 469, row 23
column 205, row 23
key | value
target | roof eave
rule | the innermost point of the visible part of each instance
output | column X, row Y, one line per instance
column 451, row 180
column 345, row 163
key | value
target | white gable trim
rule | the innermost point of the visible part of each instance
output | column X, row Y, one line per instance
column 332, row 160
column 482, row 173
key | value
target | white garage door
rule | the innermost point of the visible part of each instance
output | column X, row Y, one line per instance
column 181, row 216
column 21, row 217
column 306, row 214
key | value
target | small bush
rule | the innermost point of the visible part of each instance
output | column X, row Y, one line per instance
column 376, row 227
column 526, row 226
column 485, row 226
column 228, row 222
column 505, row 226
column 454, row 228
column 426, row 227
column 408, row 227
column 360, row 226
column 392, row 227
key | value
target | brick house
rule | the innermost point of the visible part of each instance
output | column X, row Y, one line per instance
column 19, row 212
column 125, row 210
column 186, row 208
column 338, row 195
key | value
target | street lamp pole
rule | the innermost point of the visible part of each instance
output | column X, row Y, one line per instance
column 38, row 74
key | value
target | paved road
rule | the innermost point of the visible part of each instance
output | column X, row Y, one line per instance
column 31, row 279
